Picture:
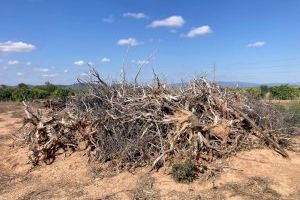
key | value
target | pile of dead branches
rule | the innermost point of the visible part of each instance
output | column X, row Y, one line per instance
column 129, row 125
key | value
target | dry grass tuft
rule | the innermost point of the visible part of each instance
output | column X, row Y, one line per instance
column 254, row 188
column 145, row 190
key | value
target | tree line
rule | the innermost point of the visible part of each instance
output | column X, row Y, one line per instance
column 23, row 91
column 281, row 92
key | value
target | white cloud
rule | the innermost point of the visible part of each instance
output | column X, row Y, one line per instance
column 256, row 44
column 41, row 69
column 79, row 62
column 129, row 42
column 172, row 21
column 16, row 47
column 198, row 31
column 50, row 75
column 28, row 63
column 108, row 19
column 105, row 60
column 20, row 73
column 13, row 62
column 66, row 71
column 135, row 15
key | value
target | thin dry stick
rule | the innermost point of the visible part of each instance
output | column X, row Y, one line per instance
column 141, row 65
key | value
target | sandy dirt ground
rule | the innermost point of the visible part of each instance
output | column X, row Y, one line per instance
column 255, row 174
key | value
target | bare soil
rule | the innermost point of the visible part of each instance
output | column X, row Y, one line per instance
column 255, row 174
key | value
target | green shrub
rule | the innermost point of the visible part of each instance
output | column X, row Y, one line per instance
column 48, row 87
column 22, row 85
column 255, row 92
column 6, row 94
column 20, row 94
column 184, row 172
column 284, row 92
column 61, row 92
column 24, row 92
column 36, row 93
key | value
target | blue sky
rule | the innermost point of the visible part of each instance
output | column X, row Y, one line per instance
column 247, row 40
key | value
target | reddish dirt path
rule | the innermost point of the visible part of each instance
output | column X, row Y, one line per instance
column 71, row 177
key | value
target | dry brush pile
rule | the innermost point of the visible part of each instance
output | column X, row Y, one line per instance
column 126, row 125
